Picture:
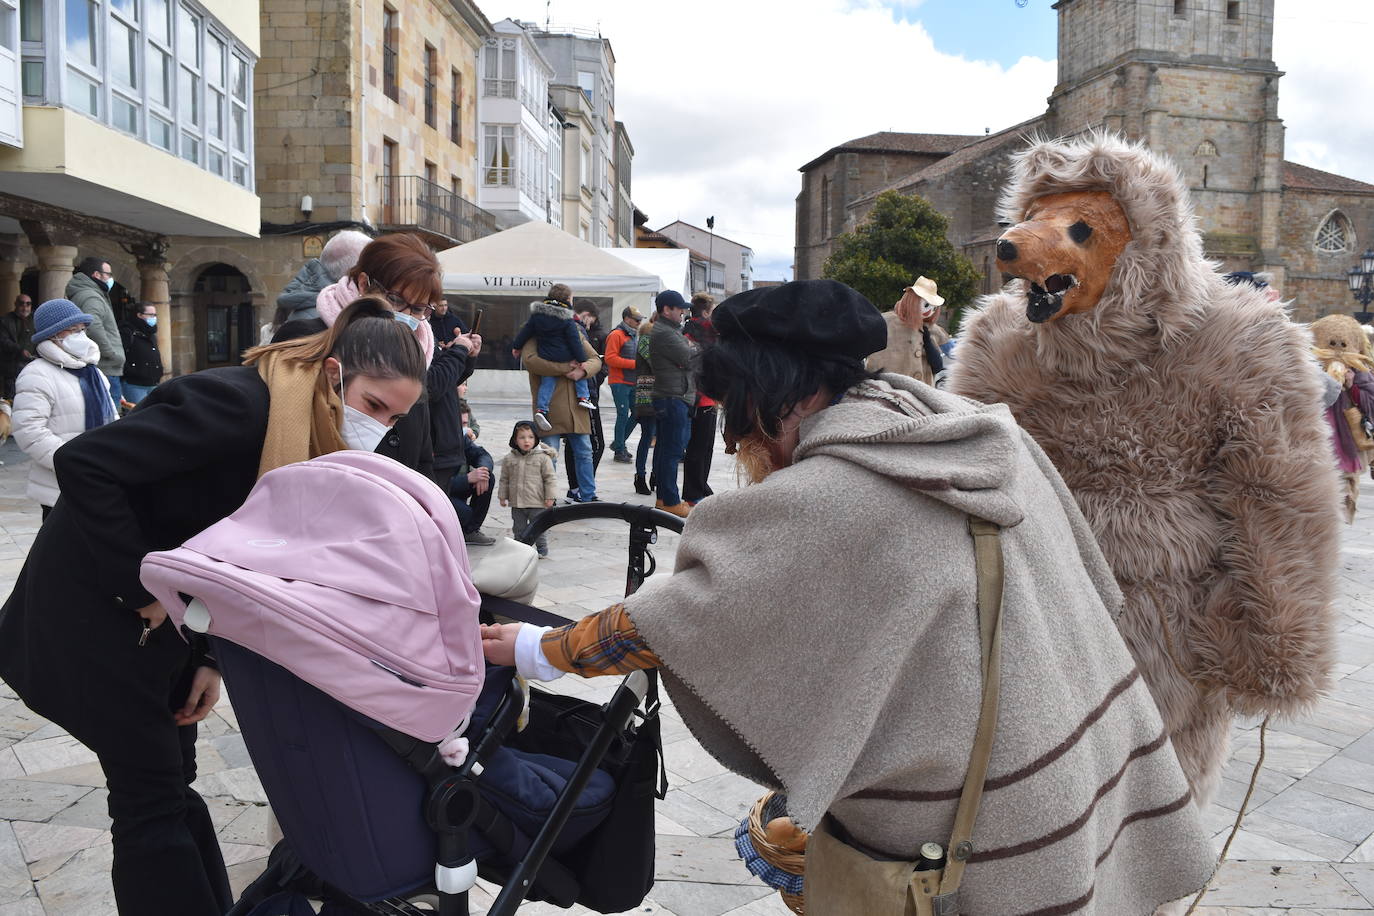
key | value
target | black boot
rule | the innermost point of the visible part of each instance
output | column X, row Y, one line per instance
column 641, row 487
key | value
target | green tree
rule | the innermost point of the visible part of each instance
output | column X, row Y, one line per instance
column 903, row 238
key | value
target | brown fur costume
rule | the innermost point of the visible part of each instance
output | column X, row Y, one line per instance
column 1185, row 415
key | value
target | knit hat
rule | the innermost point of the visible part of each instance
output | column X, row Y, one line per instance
column 820, row 316
column 57, row 315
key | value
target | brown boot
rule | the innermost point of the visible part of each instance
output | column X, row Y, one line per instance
column 680, row 509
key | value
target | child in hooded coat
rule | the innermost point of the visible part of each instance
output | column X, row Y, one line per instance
column 559, row 339
column 527, row 484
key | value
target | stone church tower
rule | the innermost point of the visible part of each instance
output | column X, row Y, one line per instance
column 1194, row 79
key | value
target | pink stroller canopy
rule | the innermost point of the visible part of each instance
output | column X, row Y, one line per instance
column 350, row 571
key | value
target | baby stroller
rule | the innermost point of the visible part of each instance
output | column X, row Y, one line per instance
column 344, row 686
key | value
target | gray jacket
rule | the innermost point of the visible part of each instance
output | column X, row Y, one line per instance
column 671, row 356
column 299, row 295
column 92, row 298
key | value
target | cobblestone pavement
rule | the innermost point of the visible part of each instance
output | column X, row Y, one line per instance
column 1307, row 848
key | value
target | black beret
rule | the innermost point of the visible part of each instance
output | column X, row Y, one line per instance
column 822, row 316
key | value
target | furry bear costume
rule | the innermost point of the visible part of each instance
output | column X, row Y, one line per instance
column 1185, row 414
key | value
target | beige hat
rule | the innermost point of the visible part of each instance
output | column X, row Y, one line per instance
column 925, row 288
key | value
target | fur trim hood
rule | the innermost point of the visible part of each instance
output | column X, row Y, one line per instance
column 1161, row 283
column 552, row 308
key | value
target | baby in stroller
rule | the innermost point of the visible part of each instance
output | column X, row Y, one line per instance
column 346, row 684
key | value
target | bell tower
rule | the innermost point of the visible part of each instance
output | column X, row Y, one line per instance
column 1194, row 79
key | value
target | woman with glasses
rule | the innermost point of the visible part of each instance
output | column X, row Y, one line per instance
column 401, row 270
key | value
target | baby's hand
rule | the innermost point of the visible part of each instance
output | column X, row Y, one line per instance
column 548, row 504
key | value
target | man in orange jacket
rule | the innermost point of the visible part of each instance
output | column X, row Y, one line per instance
column 620, row 357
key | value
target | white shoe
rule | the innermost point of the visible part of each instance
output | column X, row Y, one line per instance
column 541, row 420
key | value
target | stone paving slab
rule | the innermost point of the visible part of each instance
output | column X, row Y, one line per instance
column 1307, row 848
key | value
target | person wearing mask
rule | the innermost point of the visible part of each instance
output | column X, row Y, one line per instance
column 701, row 440
column 675, row 393
column 914, row 335
column 90, row 288
column 401, row 270
column 58, row 396
column 142, row 361
column 620, row 361
column 16, row 342
column 586, row 318
column 1084, row 808
column 340, row 253
column 87, row 647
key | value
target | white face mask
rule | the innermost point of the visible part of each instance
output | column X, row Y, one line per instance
column 77, row 344
column 360, row 431
column 409, row 321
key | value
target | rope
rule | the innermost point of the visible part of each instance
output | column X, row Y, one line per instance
column 1254, row 775
column 1240, row 815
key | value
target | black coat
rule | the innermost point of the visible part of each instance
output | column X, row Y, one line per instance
column 449, row 369
column 444, row 325
column 184, row 459
column 142, row 361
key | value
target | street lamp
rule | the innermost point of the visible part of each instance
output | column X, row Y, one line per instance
column 1361, row 280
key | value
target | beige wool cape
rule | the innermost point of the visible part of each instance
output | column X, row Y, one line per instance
column 820, row 634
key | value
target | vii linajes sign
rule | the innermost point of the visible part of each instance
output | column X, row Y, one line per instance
column 517, row 282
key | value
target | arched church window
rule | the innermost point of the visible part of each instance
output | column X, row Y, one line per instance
column 1205, row 148
column 1335, row 234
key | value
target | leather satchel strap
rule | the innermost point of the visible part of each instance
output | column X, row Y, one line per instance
column 987, row 547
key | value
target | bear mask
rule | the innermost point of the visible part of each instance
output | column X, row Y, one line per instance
column 1065, row 250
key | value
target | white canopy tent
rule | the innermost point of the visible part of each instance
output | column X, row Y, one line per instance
column 525, row 260
column 672, row 265
column 500, row 275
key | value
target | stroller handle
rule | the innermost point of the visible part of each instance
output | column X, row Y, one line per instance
column 634, row 514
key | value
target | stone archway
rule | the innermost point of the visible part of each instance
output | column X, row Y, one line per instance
column 193, row 343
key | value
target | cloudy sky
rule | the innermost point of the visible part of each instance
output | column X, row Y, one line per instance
column 724, row 99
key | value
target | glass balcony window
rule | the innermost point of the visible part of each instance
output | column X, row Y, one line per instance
column 124, row 114
column 83, row 32
column 190, row 147
column 83, row 94
column 124, row 54
column 160, row 133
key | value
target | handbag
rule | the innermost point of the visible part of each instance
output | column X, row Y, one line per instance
column 843, row 880
column 614, row 865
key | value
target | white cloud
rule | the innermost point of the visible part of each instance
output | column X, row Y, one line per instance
column 1328, row 90
column 725, row 99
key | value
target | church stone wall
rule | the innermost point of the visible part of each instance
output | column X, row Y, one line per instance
column 1315, row 280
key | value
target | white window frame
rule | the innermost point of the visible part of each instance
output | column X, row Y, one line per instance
column 1347, row 228
column 219, row 144
column 505, row 176
column 503, row 84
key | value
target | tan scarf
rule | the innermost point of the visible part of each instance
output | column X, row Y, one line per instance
column 304, row 415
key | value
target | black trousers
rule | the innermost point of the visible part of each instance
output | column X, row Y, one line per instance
column 696, row 464
column 166, row 855
column 598, row 448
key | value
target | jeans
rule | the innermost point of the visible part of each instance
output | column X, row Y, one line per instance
column 624, row 396
column 648, row 428
column 674, row 425
column 116, row 387
column 582, row 456
column 471, row 507
column 136, row 393
column 598, row 449
column 696, row 465
column 549, row 382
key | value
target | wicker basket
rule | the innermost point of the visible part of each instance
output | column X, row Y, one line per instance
column 770, row 806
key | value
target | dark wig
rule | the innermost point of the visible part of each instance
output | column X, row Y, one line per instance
column 758, row 382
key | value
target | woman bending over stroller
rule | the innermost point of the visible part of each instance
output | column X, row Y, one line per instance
column 86, row 646
column 856, row 687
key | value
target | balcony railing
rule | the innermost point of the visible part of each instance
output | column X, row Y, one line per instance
column 409, row 201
